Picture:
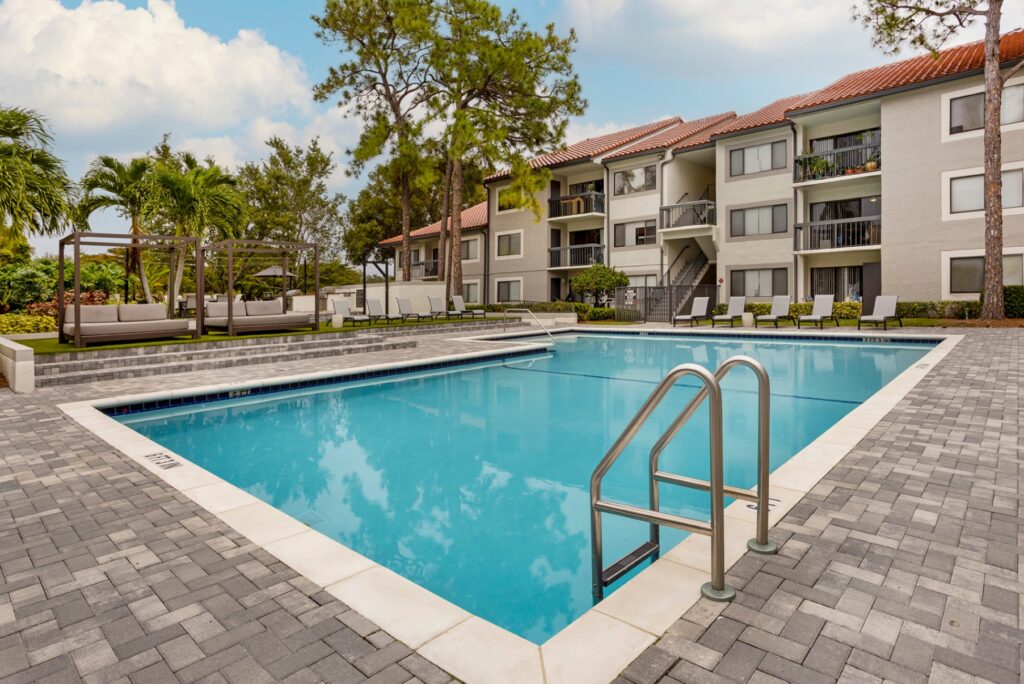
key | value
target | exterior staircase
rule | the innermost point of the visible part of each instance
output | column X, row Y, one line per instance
column 668, row 300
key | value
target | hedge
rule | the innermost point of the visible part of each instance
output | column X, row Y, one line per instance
column 844, row 310
column 537, row 307
column 602, row 313
column 1013, row 301
column 18, row 324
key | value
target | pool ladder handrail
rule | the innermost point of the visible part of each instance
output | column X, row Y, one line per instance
column 506, row 312
column 711, row 390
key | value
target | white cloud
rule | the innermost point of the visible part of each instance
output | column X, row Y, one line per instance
column 101, row 64
column 581, row 129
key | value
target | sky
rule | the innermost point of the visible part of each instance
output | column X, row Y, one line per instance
column 112, row 76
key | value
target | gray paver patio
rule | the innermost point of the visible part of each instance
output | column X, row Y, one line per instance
column 903, row 564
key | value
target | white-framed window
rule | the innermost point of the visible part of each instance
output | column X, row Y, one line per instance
column 471, row 291
column 963, row 271
column 636, row 180
column 758, row 220
column 508, row 290
column 508, row 245
column 963, row 192
column 633, row 233
column 506, row 200
column 963, row 111
column 471, row 249
column 744, row 161
column 759, row 282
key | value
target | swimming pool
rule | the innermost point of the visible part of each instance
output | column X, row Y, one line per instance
column 472, row 481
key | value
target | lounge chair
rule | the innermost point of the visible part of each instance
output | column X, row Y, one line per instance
column 779, row 312
column 341, row 313
column 438, row 309
column 821, row 312
column 735, row 310
column 124, row 322
column 405, row 310
column 253, row 316
column 885, row 311
column 461, row 310
column 698, row 312
column 376, row 312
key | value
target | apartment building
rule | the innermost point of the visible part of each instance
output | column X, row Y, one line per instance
column 793, row 198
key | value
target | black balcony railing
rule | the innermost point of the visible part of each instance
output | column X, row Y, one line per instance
column 699, row 213
column 423, row 269
column 838, row 234
column 845, row 161
column 576, row 255
column 576, row 205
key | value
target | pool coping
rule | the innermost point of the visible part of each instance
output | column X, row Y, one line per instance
column 596, row 646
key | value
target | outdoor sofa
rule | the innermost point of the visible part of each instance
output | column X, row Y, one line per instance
column 123, row 323
column 253, row 316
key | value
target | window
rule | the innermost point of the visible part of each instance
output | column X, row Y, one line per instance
column 471, row 293
column 587, row 186
column 967, row 274
column 636, row 180
column 470, row 250
column 869, row 136
column 967, row 113
column 758, row 220
column 758, row 158
column 762, row 282
column 967, row 193
column 642, row 280
column 635, row 233
column 510, row 290
column 508, row 199
column 510, row 245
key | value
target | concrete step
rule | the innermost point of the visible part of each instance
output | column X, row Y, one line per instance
column 198, row 351
column 253, row 357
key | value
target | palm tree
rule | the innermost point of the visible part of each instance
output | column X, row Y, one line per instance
column 199, row 200
column 34, row 187
column 110, row 183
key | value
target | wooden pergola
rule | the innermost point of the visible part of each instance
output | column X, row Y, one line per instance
column 129, row 241
column 272, row 247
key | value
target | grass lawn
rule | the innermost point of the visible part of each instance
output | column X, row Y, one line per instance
column 52, row 346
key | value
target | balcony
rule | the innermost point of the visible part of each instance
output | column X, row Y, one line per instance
column 420, row 270
column 838, row 163
column 688, row 214
column 853, row 233
column 576, row 256
column 570, row 207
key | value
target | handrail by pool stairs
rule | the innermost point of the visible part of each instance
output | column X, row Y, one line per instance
column 711, row 390
column 506, row 312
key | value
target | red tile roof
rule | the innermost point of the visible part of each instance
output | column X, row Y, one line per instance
column 912, row 71
column 705, row 136
column 473, row 218
column 671, row 136
column 769, row 115
column 594, row 147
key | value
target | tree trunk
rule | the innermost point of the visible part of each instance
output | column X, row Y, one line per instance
column 442, row 249
column 406, row 246
column 992, row 308
column 137, row 261
column 456, row 237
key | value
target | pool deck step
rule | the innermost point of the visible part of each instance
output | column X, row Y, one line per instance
column 254, row 356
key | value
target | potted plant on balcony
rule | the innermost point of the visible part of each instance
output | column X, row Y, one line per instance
column 819, row 167
column 871, row 164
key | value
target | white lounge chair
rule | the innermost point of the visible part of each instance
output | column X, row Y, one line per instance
column 406, row 311
column 342, row 313
column 698, row 312
column 821, row 312
column 376, row 312
column 779, row 312
column 884, row 311
column 735, row 310
column 461, row 310
column 438, row 309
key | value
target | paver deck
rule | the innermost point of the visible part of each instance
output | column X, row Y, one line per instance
column 902, row 564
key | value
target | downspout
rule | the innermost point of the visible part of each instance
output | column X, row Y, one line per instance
column 487, row 260
column 796, row 212
column 607, row 216
column 669, row 156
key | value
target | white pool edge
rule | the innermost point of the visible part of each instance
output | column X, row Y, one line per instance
column 595, row 647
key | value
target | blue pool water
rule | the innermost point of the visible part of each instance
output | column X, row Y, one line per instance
column 473, row 481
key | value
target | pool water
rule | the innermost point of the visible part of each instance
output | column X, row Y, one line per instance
column 473, row 481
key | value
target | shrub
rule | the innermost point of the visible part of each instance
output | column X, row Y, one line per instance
column 846, row 310
column 582, row 311
column 602, row 313
column 599, row 281
column 50, row 308
column 942, row 309
column 1013, row 300
column 536, row 307
column 18, row 324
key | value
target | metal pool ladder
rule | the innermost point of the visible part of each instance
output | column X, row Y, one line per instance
column 711, row 390
column 504, row 320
